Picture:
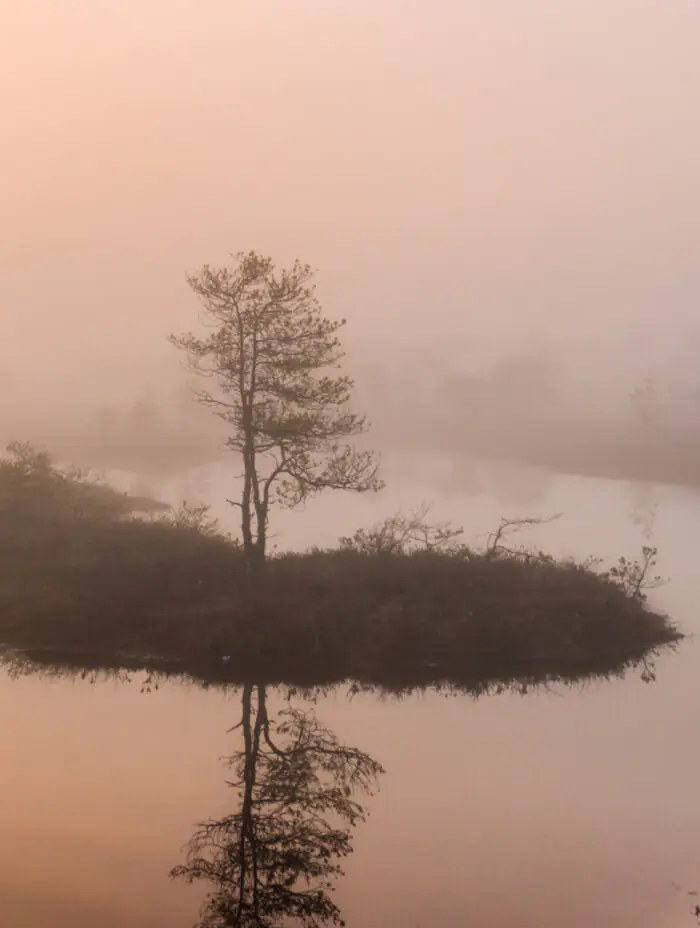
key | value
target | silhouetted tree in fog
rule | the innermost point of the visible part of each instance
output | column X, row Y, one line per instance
column 270, row 353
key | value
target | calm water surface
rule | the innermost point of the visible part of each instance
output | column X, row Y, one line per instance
column 574, row 808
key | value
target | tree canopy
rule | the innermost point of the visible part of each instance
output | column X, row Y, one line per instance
column 274, row 359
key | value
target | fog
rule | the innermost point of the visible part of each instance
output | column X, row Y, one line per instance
column 473, row 181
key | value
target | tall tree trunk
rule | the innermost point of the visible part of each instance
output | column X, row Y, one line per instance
column 260, row 552
column 247, row 501
column 257, row 505
column 246, row 524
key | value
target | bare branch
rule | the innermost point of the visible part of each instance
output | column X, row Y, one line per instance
column 495, row 546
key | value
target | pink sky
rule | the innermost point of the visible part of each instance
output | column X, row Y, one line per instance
column 455, row 170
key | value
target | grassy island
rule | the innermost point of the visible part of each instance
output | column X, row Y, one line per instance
column 85, row 582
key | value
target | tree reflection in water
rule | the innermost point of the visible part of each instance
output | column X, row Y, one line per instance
column 275, row 860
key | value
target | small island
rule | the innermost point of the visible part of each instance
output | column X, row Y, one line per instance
column 92, row 578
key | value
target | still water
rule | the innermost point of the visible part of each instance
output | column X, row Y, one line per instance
column 574, row 807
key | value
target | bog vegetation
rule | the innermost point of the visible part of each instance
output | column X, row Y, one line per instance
column 85, row 579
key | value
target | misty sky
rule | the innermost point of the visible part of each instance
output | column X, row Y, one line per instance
column 481, row 175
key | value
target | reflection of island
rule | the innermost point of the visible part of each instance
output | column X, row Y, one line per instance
column 277, row 857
